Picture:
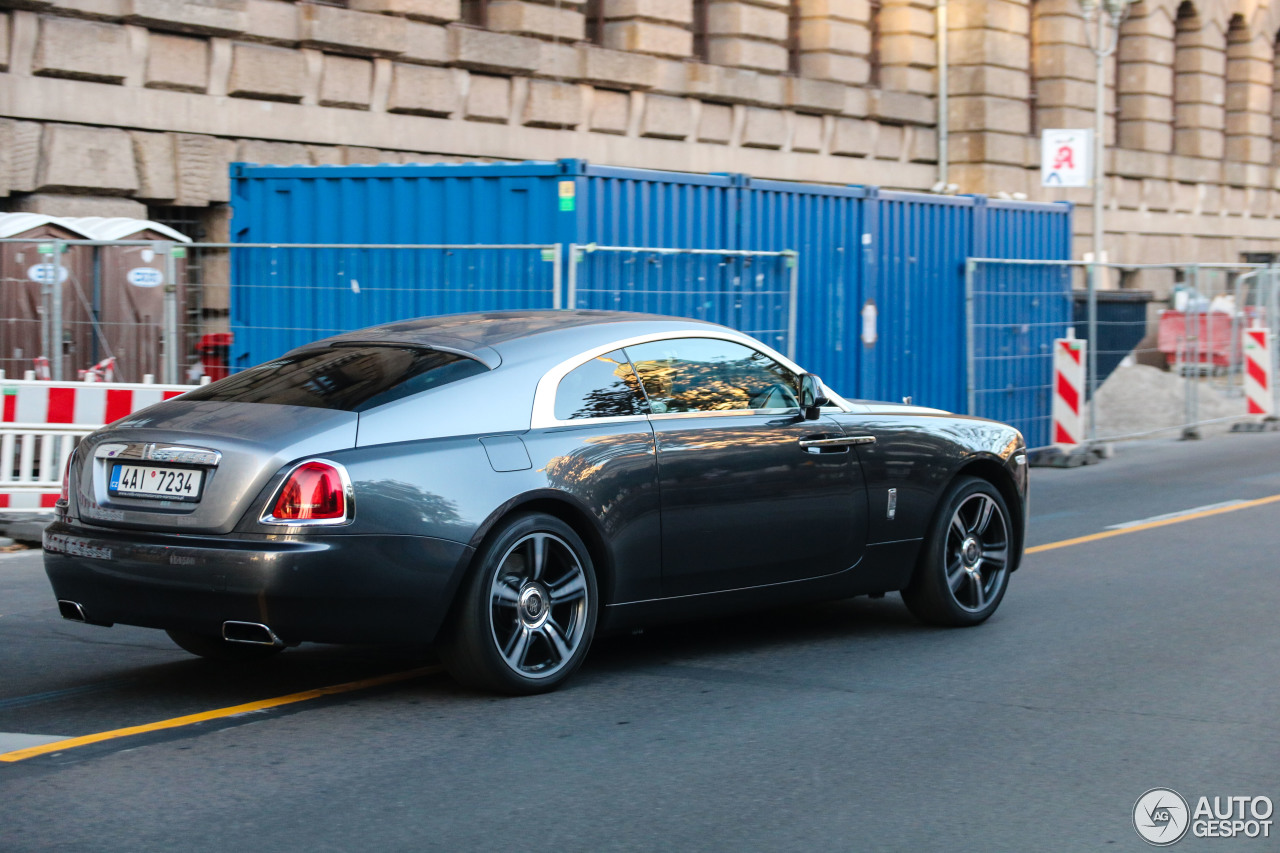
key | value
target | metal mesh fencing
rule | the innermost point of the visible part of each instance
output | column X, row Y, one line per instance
column 753, row 292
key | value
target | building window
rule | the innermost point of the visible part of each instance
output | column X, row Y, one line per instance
column 594, row 12
column 793, row 37
column 873, row 49
column 475, row 12
column 701, row 49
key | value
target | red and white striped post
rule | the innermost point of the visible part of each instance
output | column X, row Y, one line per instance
column 1257, row 372
column 1068, row 390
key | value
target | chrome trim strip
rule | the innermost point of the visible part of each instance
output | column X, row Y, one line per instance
column 158, row 452
column 348, row 491
column 722, row 413
column 544, row 397
column 844, row 441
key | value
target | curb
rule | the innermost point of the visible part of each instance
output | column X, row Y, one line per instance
column 27, row 528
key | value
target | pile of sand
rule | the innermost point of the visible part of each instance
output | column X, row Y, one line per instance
column 1138, row 399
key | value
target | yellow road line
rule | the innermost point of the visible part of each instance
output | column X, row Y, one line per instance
column 219, row 713
column 1107, row 534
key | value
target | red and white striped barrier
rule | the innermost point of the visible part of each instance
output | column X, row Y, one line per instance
column 1257, row 372
column 1068, row 390
column 41, row 422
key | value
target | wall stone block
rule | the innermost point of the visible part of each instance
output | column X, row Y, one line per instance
column 552, row 104
column 616, row 67
column 1057, row 29
column 922, row 81
column 815, row 95
column 744, row 19
column 273, row 153
column 346, row 82
column 672, row 11
column 906, row 108
column 841, row 10
column 1249, row 149
column 87, row 158
column 489, row 99
column 996, row 82
column 4, row 41
column 853, row 137
column 1157, row 50
column 1199, row 143
column 440, row 11
column 81, row 50
column 485, row 51
column 734, row 85
column 425, row 43
column 989, row 14
column 1201, row 88
column 610, row 111
column 422, row 90
column 715, row 124
column 536, row 19
column 1146, row 78
column 666, row 117
column 157, row 166
column 889, row 144
column 1146, row 135
column 180, row 63
column 54, row 204
column 1062, row 92
column 991, row 47
column 982, row 147
column 806, row 134
column 273, row 22
column 1194, row 170
column 914, row 20
column 352, row 32
column 834, row 36
column 1248, row 124
column 267, row 73
column 207, row 17
column 1145, row 108
column 1200, row 61
column 924, row 145
column 763, row 129
column 1248, row 97
column 647, row 37
column 1190, row 116
column 978, row 113
column 838, row 68
column 992, row 178
column 325, row 155
column 1064, row 61
column 746, row 53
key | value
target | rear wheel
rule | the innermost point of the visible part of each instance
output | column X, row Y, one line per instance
column 963, row 571
column 528, row 612
column 216, row 648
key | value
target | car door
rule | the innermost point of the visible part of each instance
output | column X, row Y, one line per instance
column 744, row 501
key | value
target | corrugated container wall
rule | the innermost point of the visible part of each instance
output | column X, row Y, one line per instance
column 881, row 294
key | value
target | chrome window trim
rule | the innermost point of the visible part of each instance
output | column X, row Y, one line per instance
column 544, row 397
column 349, row 493
column 722, row 413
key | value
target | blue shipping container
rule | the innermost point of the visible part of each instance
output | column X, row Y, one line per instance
column 881, row 295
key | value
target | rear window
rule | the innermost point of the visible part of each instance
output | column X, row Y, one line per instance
column 349, row 378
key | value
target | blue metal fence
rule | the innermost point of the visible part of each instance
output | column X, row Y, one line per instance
column 881, row 309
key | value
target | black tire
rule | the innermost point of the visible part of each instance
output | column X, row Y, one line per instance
column 216, row 648
column 963, row 570
column 523, row 623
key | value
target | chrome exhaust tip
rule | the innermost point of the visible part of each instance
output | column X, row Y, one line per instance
column 254, row 633
column 71, row 610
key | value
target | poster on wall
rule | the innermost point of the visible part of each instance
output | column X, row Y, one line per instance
column 1065, row 158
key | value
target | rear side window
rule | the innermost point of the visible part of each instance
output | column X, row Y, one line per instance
column 349, row 378
column 604, row 387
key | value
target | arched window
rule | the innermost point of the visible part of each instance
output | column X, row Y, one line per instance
column 1199, row 86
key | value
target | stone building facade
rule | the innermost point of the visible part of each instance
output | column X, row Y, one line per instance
column 135, row 107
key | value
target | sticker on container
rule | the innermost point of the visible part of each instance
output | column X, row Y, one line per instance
column 43, row 273
column 567, row 192
column 145, row 277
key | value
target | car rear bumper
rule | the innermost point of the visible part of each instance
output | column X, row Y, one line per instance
column 323, row 588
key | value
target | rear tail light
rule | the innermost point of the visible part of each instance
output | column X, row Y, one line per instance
column 65, row 497
column 315, row 492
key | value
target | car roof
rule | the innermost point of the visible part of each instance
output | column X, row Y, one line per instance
column 492, row 337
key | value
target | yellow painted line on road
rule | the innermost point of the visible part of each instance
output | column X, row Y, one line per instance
column 1150, row 525
column 217, row 714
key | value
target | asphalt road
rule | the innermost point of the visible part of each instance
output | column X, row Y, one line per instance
column 1114, row 666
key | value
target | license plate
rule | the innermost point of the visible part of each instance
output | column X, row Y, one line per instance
column 156, row 481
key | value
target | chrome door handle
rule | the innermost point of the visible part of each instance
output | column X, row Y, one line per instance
column 816, row 445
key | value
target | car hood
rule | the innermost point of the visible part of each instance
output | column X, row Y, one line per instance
column 253, row 443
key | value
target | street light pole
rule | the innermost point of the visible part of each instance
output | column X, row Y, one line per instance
column 1102, row 30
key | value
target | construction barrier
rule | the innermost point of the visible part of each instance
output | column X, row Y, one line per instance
column 1068, row 390
column 41, row 422
column 1257, row 372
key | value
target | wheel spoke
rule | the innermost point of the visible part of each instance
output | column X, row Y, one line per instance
column 996, row 558
column 556, row 639
column 957, row 526
column 505, row 594
column 956, row 577
column 538, row 557
column 979, row 593
column 518, row 647
column 985, row 510
column 569, row 588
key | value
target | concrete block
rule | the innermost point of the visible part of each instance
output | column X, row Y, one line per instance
column 346, row 82
column 552, row 104
column 858, row 11
column 440, row 11
column 4, row 41
column 763, row 129
column 889, row 142
column 669, row 11
column 81, row 50
column 1199, row 143
column 920, row 81
column 52, row 204
column 273, row 21
column 806, row 133
column 616, row 67
column 425, row 43
column 422, row 90
column 610, row 111
column 853, row 137
column 1146, row 135
column 157, row 166
column 823, row 34
column 836, row 67
column 485, row 51
column 715, row 124
column 924, row 145
column 206, row 17
column 535, row 19
column 744, row 19
column 180, row 63
column 489, row 99
column 666, row 117
column 645, row 37
column 87, row 158
column 745, row 53
column 267, row 73
column 345, row 31
column 815, row 95
column 906, row 108
column 272, row 153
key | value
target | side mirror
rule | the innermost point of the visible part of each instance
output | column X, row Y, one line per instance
column 811, row 397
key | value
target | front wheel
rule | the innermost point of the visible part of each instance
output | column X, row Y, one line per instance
column 963, row 571
column 528, row 612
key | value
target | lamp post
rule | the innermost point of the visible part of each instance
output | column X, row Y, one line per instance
column 1102, row 30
